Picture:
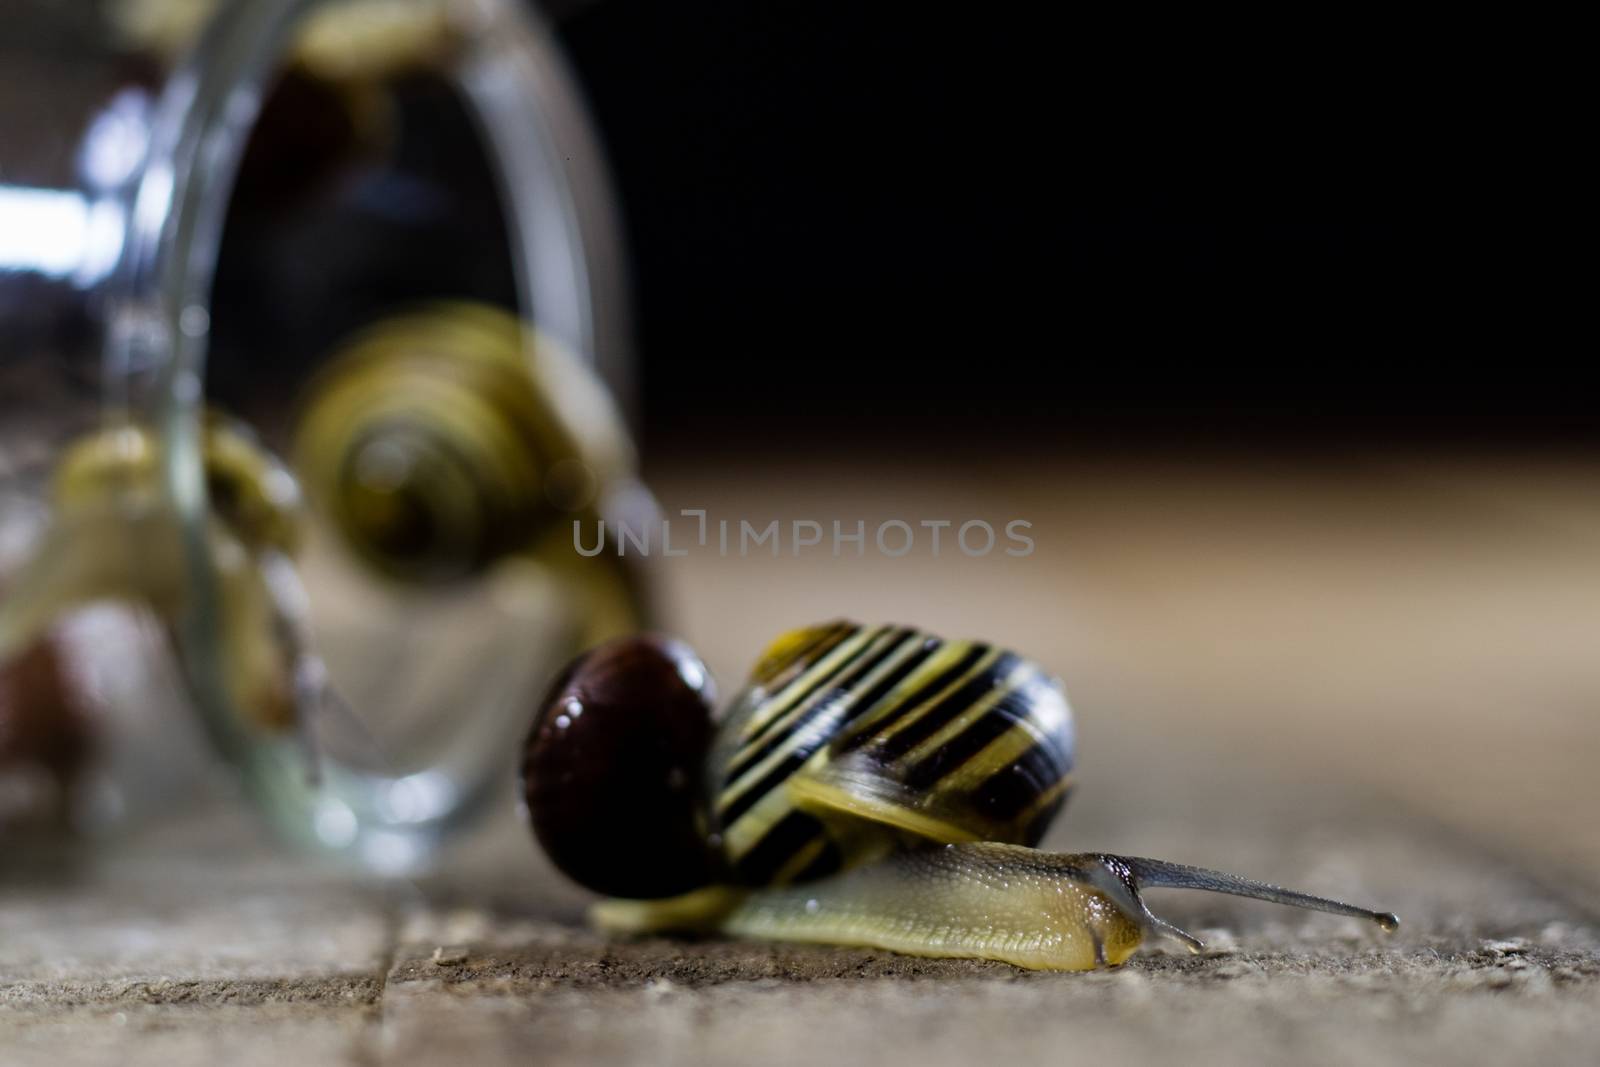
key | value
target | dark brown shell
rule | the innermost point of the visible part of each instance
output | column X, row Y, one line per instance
column 42, row 721
column 612, row 767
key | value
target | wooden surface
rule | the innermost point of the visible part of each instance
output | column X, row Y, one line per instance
column 1368, row 676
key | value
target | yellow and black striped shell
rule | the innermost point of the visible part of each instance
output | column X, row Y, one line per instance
column 849, row 738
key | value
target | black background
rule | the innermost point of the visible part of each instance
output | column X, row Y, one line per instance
column 994, row 220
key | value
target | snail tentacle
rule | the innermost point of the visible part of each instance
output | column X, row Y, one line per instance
column 1159, row 874
column 1112, row 877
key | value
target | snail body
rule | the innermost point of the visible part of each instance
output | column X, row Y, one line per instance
column 872, row 786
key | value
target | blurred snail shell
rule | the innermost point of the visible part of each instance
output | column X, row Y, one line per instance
column 333, row 104
column 43, row 719
column 357, row 40
column 115, row 536
column 443, row 441
column 871, row 786
column 250, row 489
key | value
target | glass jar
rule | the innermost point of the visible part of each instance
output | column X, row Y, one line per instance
column 263, row 271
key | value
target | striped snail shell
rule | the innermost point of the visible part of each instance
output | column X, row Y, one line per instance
column 846, row 738
column 441, row 441
column 849, row 735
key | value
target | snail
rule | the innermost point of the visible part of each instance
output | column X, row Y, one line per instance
column 353, row 49
column 357, row 40
column 871, row 785
column 439, row 445
column 333, row 105
column 114, row 535
column 448, row 441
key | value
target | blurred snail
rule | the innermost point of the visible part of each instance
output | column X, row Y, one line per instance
column 454, row 439
column 872, row 786
column 333, row 104
column 115, row 536
column 354, row 40
column 438, row 445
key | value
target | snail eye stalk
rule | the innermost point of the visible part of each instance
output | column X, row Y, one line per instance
column 1124, row 877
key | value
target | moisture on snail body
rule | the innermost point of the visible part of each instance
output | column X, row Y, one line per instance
column 871, row 786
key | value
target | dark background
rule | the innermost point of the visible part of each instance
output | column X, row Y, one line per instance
column 990, row 221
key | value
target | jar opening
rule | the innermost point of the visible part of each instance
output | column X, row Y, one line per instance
column 305, row 192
